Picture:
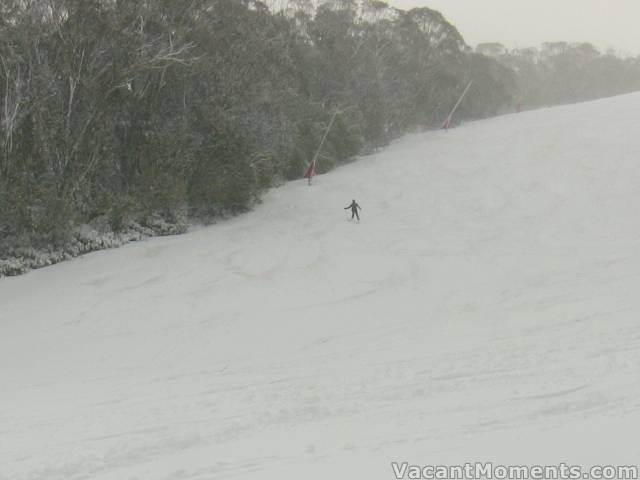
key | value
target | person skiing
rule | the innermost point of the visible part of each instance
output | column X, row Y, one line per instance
column 354, row 209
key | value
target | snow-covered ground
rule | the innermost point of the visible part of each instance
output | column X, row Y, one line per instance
column 486, row 308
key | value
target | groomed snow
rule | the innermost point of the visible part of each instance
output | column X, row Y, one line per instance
column 486, row 308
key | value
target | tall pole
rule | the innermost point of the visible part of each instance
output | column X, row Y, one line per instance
column 446, row 123
column 312, row 167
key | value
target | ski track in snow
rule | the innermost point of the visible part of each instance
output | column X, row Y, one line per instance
column 486, row 308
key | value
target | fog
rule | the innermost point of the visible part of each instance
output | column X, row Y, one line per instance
column 522, row 23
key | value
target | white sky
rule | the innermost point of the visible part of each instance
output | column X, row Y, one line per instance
column 525, row 23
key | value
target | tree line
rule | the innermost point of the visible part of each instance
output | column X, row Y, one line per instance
column 562, row 72
column 122, row 112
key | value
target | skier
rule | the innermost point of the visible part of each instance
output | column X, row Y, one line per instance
column 354, row 209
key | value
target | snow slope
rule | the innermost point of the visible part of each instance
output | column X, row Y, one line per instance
column 486, row 308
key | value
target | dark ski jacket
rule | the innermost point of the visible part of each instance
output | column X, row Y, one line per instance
column 354, row 207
